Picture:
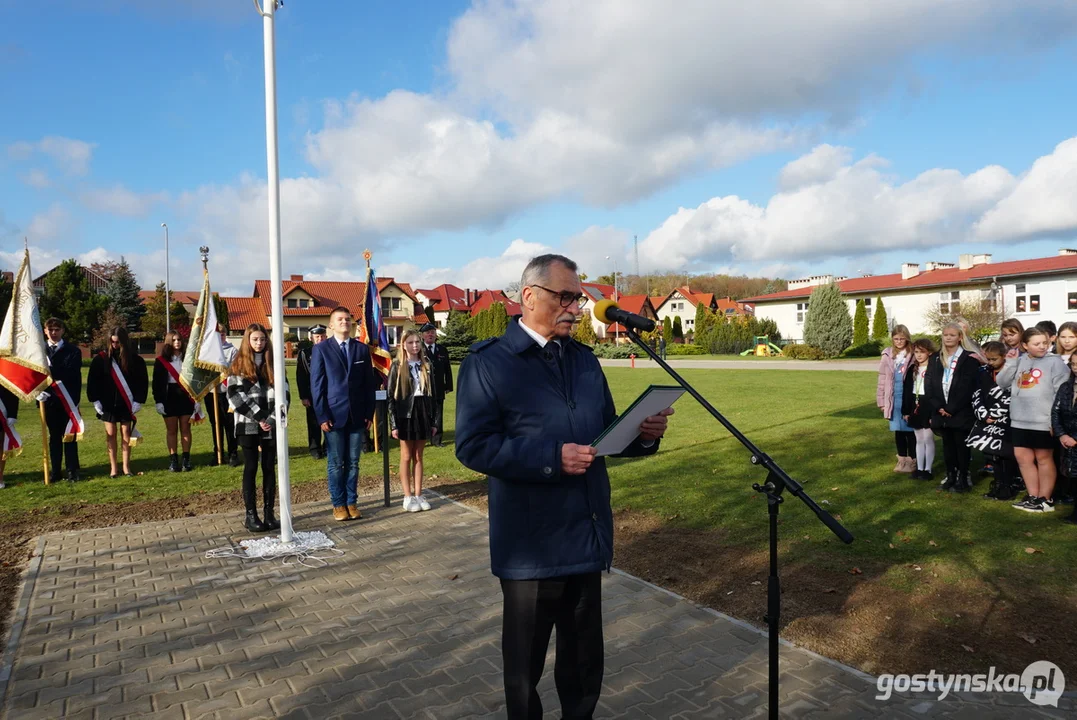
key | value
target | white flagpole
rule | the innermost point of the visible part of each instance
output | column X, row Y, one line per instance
column 283, row 481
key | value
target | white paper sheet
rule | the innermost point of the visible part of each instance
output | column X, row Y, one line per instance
column 625, row 429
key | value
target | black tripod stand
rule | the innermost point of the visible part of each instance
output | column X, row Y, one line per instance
column 777, row 482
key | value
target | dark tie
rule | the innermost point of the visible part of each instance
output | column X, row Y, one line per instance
column 557, row 351
column 344, row 350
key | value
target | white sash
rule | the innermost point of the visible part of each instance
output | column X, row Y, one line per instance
column 10, row 442
column 75, row 425
column 197, row 416
column 128, row 398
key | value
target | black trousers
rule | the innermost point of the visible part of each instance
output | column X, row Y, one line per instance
column 228, row 422
column 439, row 414
column 906, row 443
column 955, row 452
column 532, row 608
column 56, row 421
column 253, row 447
column 315, row 440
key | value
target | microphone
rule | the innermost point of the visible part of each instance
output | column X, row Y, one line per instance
column 607, row 311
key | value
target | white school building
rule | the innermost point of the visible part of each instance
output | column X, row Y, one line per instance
column 1029, row 290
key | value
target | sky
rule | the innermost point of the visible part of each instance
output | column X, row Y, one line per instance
column 456, row 140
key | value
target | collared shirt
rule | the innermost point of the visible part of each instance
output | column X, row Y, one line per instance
column 534, row 335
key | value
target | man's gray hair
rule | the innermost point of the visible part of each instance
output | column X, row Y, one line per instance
column 537, row 271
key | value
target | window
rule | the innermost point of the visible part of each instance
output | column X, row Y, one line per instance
column 293, row 303
column 1071, row 301
column 949, row 302
column 867, row 303
column 304, row 303
column 690, row 322
column 302, row 334
column 802, row 311
column 1027, row 300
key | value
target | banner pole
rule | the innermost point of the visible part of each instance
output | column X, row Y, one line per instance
column 217, row 435
column 44, row 442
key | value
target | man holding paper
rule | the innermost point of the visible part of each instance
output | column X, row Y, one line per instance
column 530, row 404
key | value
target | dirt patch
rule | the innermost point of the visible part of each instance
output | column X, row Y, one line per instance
column 931, row 622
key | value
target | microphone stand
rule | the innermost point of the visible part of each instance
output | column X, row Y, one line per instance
column 777, row 482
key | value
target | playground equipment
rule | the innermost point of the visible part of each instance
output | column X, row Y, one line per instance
column 763, row 347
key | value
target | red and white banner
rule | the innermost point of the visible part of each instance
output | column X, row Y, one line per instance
column 75, row 425
column 10, row 442
column 197, row 416
column 128, row 399
column 24, row 364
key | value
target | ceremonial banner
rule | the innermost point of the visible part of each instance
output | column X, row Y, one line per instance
column 204, row 362
column 24, row 363
column 372, row 329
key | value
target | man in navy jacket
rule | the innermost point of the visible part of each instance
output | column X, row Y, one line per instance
column 529, row 405
column 342, row 385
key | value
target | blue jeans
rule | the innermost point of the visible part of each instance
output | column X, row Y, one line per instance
column 344, row 448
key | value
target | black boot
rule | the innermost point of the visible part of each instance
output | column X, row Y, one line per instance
column 187, row 462
column 951, row 481
column 992, row 492
column 269, row 492
column 233, row 459
column 927, row 475
column 253, row 523
column 173, row 462
column 963, row 483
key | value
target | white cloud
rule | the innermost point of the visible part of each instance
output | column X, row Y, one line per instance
column 36, row 178
column 490, row 272
column 835, row 209
column 69, row 155
column 118, row 200
column 1043, row 203
column 49, row 225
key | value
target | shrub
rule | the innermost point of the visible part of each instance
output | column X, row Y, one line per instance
column 872, row 348
column 679, row 349
column 880, row 325
column 860, row 324
column 829, row 326
column 610, row 351
column 803, row 352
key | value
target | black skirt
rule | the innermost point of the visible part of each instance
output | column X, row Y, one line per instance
column 416, row 427
column 177, row 402
column 1035, row 439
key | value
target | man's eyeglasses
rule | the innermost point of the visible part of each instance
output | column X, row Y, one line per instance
column 566, row 297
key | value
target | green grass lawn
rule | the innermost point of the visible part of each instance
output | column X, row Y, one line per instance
column 821, row 427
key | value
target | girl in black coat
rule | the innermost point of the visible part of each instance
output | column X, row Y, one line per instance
column 173, row 402
column 114, row 406
column 1064, row 426
column 915, row 401
column 11, row 412
column 950, row 381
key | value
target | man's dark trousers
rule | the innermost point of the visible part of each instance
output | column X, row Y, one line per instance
column 228, row 425
column 314, row 432
column 532, row 608
column 56, row 420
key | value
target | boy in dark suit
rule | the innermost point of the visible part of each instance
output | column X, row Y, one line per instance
column 65, row 365
column 342, row 384
column 302, row 379
column 442, row 376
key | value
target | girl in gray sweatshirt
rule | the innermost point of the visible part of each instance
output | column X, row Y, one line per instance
column 1033, row 380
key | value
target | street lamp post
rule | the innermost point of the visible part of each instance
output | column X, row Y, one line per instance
column 616, row 297
column 168, row 321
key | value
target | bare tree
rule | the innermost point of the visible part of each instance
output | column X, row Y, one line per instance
column 980, row 309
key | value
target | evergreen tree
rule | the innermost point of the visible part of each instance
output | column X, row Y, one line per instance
column 68, row 296
column 880, row 324
column 221, row 307
column 457, row 336
column 480, row 325
column 667, row 330
column 678, row 331
column 860, row 324
column 5, row 297
column 700, row 326
column 122, row 293
column 829, row 326
column 153, row 321
column 584, row 331
column 498, row 320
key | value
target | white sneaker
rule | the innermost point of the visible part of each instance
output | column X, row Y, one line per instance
column 407, row 503
column 414, row 506
column 423, row 504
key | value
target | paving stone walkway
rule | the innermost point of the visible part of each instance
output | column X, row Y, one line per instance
column 135, row 621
